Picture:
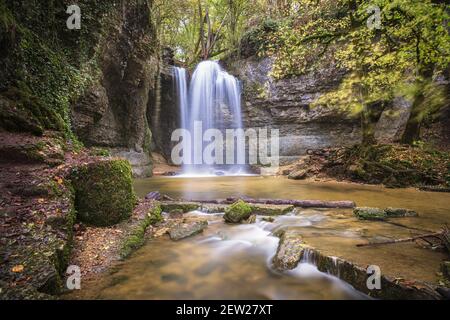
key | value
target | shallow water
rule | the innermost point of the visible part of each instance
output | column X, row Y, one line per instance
column 234, row 262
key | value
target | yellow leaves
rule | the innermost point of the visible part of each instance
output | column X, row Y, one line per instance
column 18, row 268
column 59, row 180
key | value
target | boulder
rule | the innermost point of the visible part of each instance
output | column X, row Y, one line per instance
column 298, row 174
column 154, row 195
column 237, row 212
column 290, row 251
column 367, row 213
column 104, row 193
column 400, row 212
column 271, row 209
column 184, row 230
column 251, row 219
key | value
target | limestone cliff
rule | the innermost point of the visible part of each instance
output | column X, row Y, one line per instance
column 286, row 105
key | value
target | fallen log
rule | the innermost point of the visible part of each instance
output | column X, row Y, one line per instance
column 423, row 236
column 295, row 203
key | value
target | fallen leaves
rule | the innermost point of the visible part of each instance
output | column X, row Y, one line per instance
column 17, row 268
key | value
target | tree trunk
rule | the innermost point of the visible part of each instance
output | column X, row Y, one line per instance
column 412, row 130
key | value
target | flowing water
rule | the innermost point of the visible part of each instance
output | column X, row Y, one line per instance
column 234, row 261
column 213, row 101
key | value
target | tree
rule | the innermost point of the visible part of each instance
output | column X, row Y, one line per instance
column 411, row 45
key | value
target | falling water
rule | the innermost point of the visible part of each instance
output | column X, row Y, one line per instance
column 182, row 94
column 214, row 98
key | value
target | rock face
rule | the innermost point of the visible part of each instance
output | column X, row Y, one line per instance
column 113, row 112
column 286, row 105
column 163, row 113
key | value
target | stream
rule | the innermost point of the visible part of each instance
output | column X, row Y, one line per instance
column 234, row 261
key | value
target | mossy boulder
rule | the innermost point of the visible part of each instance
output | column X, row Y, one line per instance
column 368, row 213
column 104, row 193
column 238, row 212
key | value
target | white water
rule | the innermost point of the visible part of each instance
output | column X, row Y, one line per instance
column 214, row 98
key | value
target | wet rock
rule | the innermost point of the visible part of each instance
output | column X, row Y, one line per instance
column 184, row 230
column 271, row 209
column 298, row 174
column 400, row 212
column 289, row 252
column 367, row 213
column 169, row 206
column 154, row 195
column 392, row 288
column 445, row 267
column 213, row 208
column 268, row 219
column 237, row 212
column 251, row 219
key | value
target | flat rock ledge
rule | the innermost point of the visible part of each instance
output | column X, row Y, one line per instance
column 187, row 229
column 292, row 250
column 391, row 288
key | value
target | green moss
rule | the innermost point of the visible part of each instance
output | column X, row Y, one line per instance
column 137, row 237
column 183, row 206
column 366, row 213
column 237, row 212
column 104, row 193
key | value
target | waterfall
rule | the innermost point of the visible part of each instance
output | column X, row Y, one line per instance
column 214, row 98
column 182, row 94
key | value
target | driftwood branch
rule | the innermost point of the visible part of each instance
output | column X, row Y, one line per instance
column 428, row 235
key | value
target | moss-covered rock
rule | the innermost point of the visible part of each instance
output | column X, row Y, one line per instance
column 367, row 213
column 399, row 212
column 103, row 192
column 136, row 237
column 271, row 209
column 170, row 206
column 237, row 212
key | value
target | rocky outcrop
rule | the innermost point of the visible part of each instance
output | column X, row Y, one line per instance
column 286, row 105
column 163, row 113
column 113, row 112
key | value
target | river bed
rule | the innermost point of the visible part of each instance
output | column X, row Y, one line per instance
column 234, row 261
